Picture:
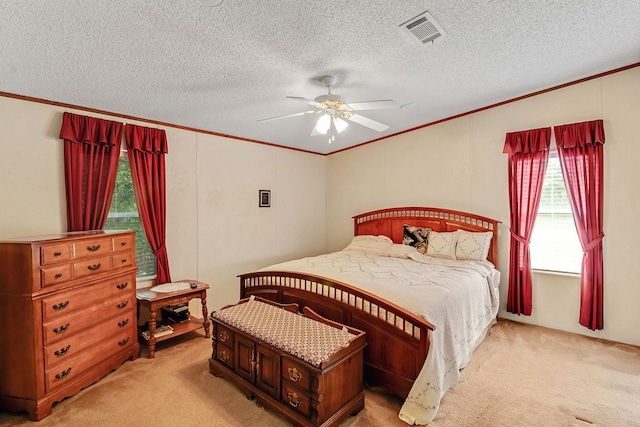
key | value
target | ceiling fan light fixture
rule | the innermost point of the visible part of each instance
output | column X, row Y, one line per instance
column 323, row 124
column 334, row 114
column 340, row 124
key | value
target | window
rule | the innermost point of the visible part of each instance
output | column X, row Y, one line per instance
column 554, row 241
column 123, row 215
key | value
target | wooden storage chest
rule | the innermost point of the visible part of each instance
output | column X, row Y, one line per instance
column 305, row 390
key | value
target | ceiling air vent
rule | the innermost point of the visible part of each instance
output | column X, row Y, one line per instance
column 423, row 28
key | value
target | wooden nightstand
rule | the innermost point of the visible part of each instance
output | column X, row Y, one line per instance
column 154, row 301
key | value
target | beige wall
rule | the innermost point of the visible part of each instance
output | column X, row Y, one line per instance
column 459, row 164
column 215, row 229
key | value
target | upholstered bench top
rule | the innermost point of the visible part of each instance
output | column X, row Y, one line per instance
column 309, row 340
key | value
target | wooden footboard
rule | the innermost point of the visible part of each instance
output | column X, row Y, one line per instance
column 397, row 340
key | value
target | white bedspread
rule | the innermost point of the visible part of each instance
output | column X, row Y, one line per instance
column 459, row 297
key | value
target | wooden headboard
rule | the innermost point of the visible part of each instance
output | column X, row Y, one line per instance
column 389, row 222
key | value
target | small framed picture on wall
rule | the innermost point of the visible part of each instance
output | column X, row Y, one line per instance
column 264, row 198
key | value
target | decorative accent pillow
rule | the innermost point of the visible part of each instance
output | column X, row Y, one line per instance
column 369, row 243
column 398, row 251
column 473, row 246
column 442, row 244
column 416, row 237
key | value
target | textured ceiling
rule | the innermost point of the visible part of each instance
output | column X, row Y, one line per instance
column 221, row 69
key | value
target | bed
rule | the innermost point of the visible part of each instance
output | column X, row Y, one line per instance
column 400, row 332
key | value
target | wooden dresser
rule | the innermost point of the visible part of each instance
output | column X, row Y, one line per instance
column 306, row 374
column 67, row 315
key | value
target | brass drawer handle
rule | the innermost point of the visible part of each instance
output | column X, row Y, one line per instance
column 223, row 356
column 57, row 253
column 122, row 285
column 123, row 342
column 294, row 375
column 94, row 267
column 93, row 248
column 62, row 351
column 123, row 323
column 224, row 337
column 63, row 374
column 123, row 304
column 61, row 306
column 123, row 244
column 123, row 260
column 61, row 329
column 59, row 275
column 293, row 400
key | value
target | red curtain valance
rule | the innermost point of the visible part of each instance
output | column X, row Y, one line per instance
column 89, row 130
column 91, row 151
column 149, row 140
column 527, row 141
column 580, row 134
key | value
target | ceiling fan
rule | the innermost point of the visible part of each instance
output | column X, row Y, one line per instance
column 334, row 114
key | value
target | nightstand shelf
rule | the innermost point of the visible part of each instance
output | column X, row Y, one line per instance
column 154, row 301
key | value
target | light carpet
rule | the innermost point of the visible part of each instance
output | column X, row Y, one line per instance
column 521, row 375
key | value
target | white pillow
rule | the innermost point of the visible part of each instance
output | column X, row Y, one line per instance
column 369, row 243
column 473, row 246
column 442, row 244
column 399, row 251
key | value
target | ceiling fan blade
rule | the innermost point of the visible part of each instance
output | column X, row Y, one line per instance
column 306, row 101
column 383, row 104
column 288, row 115
column 365, row 121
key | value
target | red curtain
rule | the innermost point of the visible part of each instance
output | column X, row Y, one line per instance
column 146, row 150
column 581, row 153
column 91, row 151
column 528, row 155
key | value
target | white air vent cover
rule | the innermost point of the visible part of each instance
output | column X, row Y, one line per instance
column 423, row 28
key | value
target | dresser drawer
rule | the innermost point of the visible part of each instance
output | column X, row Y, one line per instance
column 296, row 373
column 73, row 367
column 224, row 335
column 68, row 302
column 124, row 259
column 225, row 355
column 92, row 266
column 74, row 344
column 296, row 399
column 123, row 243
column 56, row 274
column 93, row 247
column 51, row 254
column 65, row 326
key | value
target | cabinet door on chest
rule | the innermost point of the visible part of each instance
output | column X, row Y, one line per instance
column 244, row 358
column 257, row 364
column 268, row 370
